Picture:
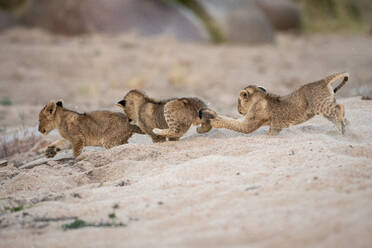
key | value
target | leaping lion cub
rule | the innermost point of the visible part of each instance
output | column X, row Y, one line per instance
column 261, row 108
column 98, row 128
column 162, row 119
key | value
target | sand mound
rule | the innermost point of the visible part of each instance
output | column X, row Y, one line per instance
column 307, row 187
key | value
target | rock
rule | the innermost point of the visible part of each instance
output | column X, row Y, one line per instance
column 240, row 20
column 62, row 17
column 3, row 163
column 34, row 163
column 6, row 20
column 283, row 14
column 146, row 18
column 60, row 157
column 252, row 187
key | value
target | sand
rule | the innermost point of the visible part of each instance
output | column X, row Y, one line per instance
column 307, row 187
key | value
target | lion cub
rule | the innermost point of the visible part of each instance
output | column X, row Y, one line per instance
column 261, row 108
column 98, row 128
column 163, row 119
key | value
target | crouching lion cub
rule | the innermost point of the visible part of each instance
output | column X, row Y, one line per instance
column 163, row 119
column 98, row 128
column 261, row 108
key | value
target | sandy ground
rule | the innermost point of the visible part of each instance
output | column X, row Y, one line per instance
column 96, row 71
column 307, row 187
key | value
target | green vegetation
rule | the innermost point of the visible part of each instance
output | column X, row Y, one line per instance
column 79, row 223
column 14, row 209
column 76, row 224
column 335, row 15
column 10, row 4
column 6, row 101
column 112, row 216
column 15, row 7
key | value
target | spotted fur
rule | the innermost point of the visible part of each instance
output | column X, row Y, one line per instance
column 163, row 119
column 262, row 108
column 98, row 128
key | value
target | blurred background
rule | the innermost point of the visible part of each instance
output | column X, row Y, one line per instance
column 91, row 52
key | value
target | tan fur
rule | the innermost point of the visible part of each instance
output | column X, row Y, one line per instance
column 162, row 119
column 261, row 108
column 98, row 128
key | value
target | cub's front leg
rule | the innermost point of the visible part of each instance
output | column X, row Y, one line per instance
column 247, row 124
column 77, row 145
column 55, row 147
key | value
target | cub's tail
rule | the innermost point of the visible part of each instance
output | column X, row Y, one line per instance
column 334, row 77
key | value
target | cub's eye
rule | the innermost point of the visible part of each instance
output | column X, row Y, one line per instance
column 244, row 94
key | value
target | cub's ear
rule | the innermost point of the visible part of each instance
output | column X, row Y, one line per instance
column 243, row 94
column 59, row 103
column 51, row 108
column 122, row 103
column 262, row 88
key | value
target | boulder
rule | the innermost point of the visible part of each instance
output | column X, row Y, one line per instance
column 145, row 17
column 283, row 14
column 6, row 20
column 240, row 21
column 63, row 17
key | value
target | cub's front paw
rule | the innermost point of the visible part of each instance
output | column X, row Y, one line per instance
column 157, row 131
column 51, row 151
column 81, row 157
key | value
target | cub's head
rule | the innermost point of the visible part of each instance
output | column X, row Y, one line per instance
column 248, row 96
column 131, row 103
column 47, row 117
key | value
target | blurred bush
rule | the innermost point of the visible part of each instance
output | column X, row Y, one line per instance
column 10, row 4
column 335, row 15
column 242, row 21
column 208, row 21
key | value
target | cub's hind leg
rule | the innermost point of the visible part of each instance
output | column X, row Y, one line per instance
column 336, row 114
column 156, row 138
column 174, row 132
column 178, row 120
column 114, row 140
column 274, row 131
column 116, row 136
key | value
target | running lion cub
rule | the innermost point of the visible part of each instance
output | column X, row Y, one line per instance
column 98, row 128
column 162, row 119
column 261, row 108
